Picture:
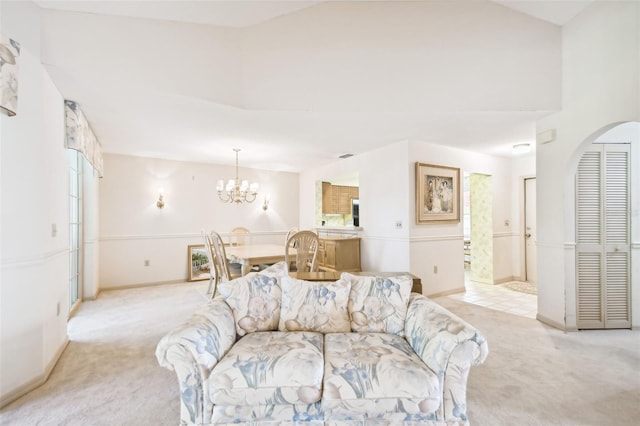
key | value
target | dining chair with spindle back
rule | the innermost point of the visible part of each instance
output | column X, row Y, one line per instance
column 213, row 268
column 226, row 273
column 305, row 245
column 290, row 232
column 240, row 236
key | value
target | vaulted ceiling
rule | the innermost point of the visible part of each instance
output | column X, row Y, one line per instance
column 295, row 84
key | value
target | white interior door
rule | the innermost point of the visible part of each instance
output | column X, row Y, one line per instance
column 602, row 237
column 531, row 257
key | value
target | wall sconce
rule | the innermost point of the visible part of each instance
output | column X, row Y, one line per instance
column 265, row 204
column 160, row 202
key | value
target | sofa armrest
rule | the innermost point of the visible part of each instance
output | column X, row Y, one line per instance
column 449, row 346
column 192, row 350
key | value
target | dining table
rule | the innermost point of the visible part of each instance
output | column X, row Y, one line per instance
column 335, row 275
column 250, row 255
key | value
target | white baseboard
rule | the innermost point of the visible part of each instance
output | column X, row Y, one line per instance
column 35, row 382
column 504, row 280
column 139, row 285
column 446, row 293
column 552, row 323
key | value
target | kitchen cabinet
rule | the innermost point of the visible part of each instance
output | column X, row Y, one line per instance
column 338, row 254
column 327, row 198
column 336, row 199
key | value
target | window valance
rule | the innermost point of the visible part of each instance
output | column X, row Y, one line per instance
column 80, row 137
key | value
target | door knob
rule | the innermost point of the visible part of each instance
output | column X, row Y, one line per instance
column 528, row 235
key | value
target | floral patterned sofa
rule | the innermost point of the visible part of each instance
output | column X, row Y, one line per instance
column 274, row 350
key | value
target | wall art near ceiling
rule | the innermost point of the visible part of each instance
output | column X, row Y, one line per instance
column 437, row 194
column 80, row 137
column 199, row 268
column 9, row 55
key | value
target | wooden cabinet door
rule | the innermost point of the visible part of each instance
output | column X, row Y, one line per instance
column 348, row 254
column 330, row 254
column 337, row 198
column 320, row 256
column 327, row 198
column 344, row 200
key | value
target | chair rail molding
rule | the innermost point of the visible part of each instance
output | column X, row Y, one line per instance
column 31, row 260
column 505, row 234
column 433, row 238
column 177, row 236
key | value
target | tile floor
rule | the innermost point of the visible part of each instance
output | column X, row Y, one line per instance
column 498, row 298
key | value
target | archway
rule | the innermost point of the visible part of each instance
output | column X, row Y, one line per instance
column 621, row 132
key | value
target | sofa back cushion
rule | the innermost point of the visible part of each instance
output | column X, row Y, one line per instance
column 315, row 306
column 255, row 300
column 378, row 304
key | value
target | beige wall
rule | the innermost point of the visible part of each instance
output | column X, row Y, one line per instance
column 133, row 229
column 601, row 87
column 442, row 245
column 387, row 183
column 34, row 273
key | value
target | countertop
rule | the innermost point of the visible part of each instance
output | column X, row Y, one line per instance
column 340, row 228
column 338, row 231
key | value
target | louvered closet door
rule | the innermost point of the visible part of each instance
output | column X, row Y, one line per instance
column 602, row 236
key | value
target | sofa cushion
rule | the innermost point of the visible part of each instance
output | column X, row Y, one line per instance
column 378, row 304
column 270, row 368
column 277, row 270
column 269, row 415
column 255, row 299
column 380, row 373
column 315, row 306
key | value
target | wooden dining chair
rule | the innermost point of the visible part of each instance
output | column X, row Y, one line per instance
column 213, row 267
column 305, row 245
column 225, row 271
column 291, row 231
column 219, row 267
column 239, row 236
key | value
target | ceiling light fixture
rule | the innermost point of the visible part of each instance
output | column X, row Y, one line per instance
column 237, row 191
column 521, row 148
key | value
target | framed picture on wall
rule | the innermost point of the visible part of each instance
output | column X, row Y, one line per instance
column 198, row 263
column 437, row 194
column 9, row 56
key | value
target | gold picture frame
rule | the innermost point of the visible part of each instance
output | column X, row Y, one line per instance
column 437, row 194
column 198, row 263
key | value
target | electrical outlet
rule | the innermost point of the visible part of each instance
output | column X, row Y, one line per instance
column 435, row 269
column 398, row 224
column 54, row 230
column 147, row 262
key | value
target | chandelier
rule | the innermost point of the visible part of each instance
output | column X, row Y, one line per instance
column 237, row 191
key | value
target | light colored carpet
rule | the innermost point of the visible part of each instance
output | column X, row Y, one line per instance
column 534, row 375
column 522, row 287
column 108, row 375
column 538, row 375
